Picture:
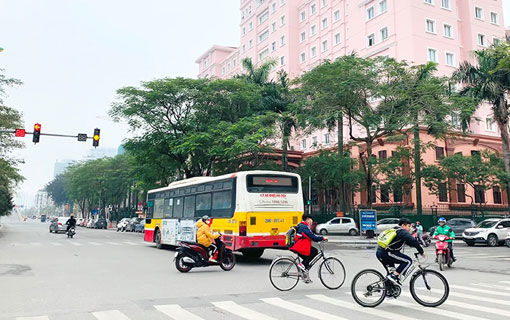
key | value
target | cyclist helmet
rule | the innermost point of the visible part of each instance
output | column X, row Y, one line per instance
column 441, row 220
column 417, row 222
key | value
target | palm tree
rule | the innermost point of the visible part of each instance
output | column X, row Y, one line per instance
column 258, row 75
column 487, row 81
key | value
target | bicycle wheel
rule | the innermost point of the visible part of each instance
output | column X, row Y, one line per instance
column 284, row 274
column 368, row 288
column 429, row 288
column 332, row 273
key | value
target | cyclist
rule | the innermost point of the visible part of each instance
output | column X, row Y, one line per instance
column 303, row 245
column 447, row 231
column 392, row 254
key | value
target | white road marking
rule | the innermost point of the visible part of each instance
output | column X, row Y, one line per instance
column 504, row 294
column 175, row 311
column 76, row 244
column 57, row 244
column 35, row 243
column 114, row 243
column 294, row 307
column 477, row 298
column 508, row 282
column 355, row 307
column 131, row 243
column 94, row 243
column 495, row 286
column 240, row 311
column 33, row 318
column 110, row 315
column 440, row 312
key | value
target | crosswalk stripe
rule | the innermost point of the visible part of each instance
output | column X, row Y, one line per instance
column 131, row 243
column 477, row 298
column 94, row 243
column 355, row 307
column 508, row 282
column 440, row 312
column 110, row 315
column 76, row 244
column 234, row 308
column 175, row 311
column 33, row 318
column 495, row 286
column 294, row 307
column 506, row 259
column 114, row 243
column 57, row 244
column 479, row 290
column 35, row 243
column 469, row 306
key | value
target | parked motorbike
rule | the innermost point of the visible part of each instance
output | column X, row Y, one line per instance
column 71, row 232
column 192, row 255
column 442, row 251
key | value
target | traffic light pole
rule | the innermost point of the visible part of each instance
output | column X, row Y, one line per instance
column 44, row 134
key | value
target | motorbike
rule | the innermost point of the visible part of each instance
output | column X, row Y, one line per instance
column 442, row 251
column 193, row 255
column 425, row 237
column 71, row 232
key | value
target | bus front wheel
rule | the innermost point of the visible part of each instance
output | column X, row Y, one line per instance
column 253, row 253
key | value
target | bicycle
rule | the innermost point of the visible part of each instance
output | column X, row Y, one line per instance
column 430, row 283
column 285, row 270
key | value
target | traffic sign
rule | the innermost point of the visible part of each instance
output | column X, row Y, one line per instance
column 368, row 219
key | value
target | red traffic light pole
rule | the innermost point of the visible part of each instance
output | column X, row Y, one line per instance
column 37, row 132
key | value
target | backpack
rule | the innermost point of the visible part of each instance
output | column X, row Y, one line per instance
column 386, row 237
column 290, row 236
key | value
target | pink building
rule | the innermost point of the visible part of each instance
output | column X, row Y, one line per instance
column 300, row 34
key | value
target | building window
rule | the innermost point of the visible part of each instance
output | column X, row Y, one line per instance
column 479, row 194
column 429, row 2
column 282, row 2
column 371, row 40
column 397, row 194
column 324, row 3
column 263, row 17
column 282, row 60
column 313, row 9
column 282, row 41
column 461, row 193
column 445, row 4
column 244, row 48
column 443, row 194
column 481, row 40
column 303, row 144
column 494, row 18
column 282, row 21
column 234, row 63
column 223, row 70
column 489, row 124
column 273, row 46
column 439, row 153
column 273, row 27
column 475, row 153
column 496, row 41
column 338, row 39
column 448, row 30
column 385, row 196
column 326, row 138
column 496, row 193
column 263, row 36
column 250, row 26
column 303, row 36
column 370, row 13
column 313, row 52
column 336, row 15
column 324, row 45
column 264, row 54
column 244, row 31
column 324, row 23
column 432, row 55
column 431, row 26
column 313, row 30
column 383, row 155
column 384, row 33
column 302, row 16
column 479, row 13
column 273, row 8
column 302, row 57
column 314, row 141
column 450, row 59
column 383, row 6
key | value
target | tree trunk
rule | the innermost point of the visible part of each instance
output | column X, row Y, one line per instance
column 417, row 165
column 502, row 119
column 341, row 193
column 285, row 142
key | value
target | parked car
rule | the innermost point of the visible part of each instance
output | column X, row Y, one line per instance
column 90, row 223
column 79, row 221
column 490, row 231
column 100, row 224
column 458, row 225
column 338, row 225
column 140, row 227
column 121, row 225
column 386, row 223
column 507, row 240
column 83, row 223
column 130, row 226
column 58, row 224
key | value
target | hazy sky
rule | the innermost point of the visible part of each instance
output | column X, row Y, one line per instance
column 73, row 54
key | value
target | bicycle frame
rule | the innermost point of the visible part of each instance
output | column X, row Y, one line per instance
column 412, row 267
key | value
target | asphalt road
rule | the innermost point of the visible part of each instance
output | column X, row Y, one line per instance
column 102, row 274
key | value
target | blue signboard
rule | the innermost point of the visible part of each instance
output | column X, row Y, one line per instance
column 368, row 219
column 94, row 212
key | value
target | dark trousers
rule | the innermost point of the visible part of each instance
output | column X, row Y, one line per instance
column 450, row 247
column 307, row 259
column 389, row 258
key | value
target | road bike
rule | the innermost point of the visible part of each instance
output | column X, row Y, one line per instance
column 429, row 288
column 285, row 274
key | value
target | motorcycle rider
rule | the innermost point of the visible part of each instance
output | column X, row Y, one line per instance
column 205, row 237
column 71, row 223
column 419, row 233
column 447, row 231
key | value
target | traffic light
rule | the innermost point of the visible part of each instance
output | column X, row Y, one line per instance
column 95, row 138
column 37, row 132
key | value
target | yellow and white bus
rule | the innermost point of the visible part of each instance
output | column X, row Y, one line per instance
column 252, row 209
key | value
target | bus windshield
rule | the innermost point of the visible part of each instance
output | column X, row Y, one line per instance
column 271, row 183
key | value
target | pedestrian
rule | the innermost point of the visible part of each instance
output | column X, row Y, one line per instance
column 419, row 233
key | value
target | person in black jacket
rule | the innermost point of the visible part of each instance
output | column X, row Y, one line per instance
column 71, row 222
column 392, row 254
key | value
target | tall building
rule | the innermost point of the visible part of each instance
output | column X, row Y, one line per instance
column 98, row 153
column 61, row 166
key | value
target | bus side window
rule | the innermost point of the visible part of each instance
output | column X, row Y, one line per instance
column 203, row 202
column 158, row 208
column 189, row 206
column 167, row 213
column 222, row 200
column 178, row 207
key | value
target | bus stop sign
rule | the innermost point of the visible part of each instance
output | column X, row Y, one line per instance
column 368, row 220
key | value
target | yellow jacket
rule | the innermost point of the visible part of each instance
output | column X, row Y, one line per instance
column 204, row 234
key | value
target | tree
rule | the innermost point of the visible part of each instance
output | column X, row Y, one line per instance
column 489, row 81
column 56, row 189
column 257, row 75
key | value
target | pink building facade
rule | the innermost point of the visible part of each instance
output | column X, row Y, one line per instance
column 300, row 34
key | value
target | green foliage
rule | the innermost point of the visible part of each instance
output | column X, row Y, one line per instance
column 56, row 189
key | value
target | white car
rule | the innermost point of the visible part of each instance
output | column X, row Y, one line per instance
column 490, row 231
column 90, row 223
column 386, row 223
column 122, row 224
column 338, row 225
column 507, row 240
